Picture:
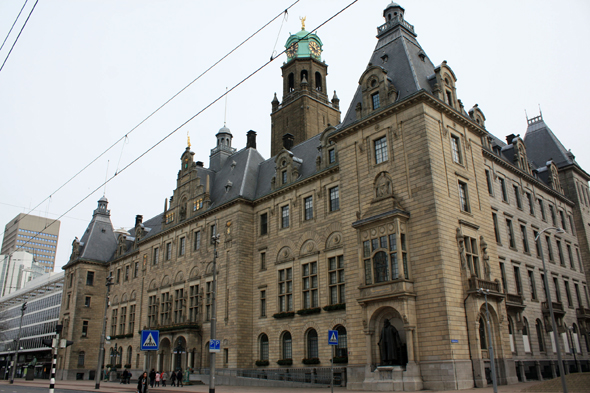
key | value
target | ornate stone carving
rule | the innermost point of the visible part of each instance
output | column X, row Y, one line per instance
column 75, row 249
column 485, row 258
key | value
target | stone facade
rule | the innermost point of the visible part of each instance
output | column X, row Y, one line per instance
column 399, row 213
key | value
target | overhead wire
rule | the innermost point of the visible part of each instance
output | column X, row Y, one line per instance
column 19, row 33
column 191, row 118
column 126, row 136
column 14, row 23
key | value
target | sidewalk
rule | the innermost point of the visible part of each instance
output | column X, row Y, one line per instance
column 577, row 383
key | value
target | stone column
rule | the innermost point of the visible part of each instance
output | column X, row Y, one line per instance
column 553, row 370
column 410, row 343
column 145, row 359
column 539, row 371
column 159, row 361
column 521, row 371
column 368, row 335
column 566, row 367
column 173, row 367
column 190, row 360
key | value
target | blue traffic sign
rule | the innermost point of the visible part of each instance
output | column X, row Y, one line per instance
column 333, row 337
column 214, row 346
column 454, row 341
column 150, row 340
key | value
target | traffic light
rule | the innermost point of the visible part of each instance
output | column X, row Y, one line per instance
column 47, row 342
column 63, row 343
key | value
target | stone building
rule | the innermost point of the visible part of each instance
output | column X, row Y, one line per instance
column 382, row 225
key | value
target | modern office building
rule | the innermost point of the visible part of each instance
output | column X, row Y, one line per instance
column 16, row 270
column 43, row 298
column 383, row 226
column 36, row 235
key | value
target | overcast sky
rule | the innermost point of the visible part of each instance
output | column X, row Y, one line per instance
column 84, row 73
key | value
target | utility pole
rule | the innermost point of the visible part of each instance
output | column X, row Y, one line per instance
column 214, row 241
column 103, row 333
column 54, row 347
column 22, row 314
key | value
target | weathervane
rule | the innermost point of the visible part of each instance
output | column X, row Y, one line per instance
column 188, row 140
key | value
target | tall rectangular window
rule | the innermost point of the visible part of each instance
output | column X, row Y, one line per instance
column 286, row 289
column 118, row 278
column 579, row 259
column 542, row 209
column 503, row 275
column 472, row 254
column 182, row 246
column 552, row 212
column 90, row 278
column 156, row 256
column 131, row 318
column 463, row 197
column 87, row 301
column 331, row 156
column 570, row 256
column 517, row 197
column 165, row 308
column 381, row 150
column 136, row 267
column 571, row 220
column 310, row 284
column 375, row 100
column 489, row 182
column 496, row 229
column 456, row 149
column 84, row 328
column 557, row 291
column 114, row 322
column 537, row 243
column 284, row 177
column 263, row 303
column 193, row 305
column 525, row 240
column 285, row 216
column 197, row 241
column 562, row 218
column 529, row 198
column 560, row 253
column 336, row 277
column 511, row 241
column 127, row 273
column 503, row 187
column 308, row 206
column 334, row 199
column 168, row 251
column 263, row 224
column 122, row 320
column 152, row 311
column 532, row 284
column 578, row 298
column 179, row 305
column 517, row 280
column 549, row 248
column 568, row 294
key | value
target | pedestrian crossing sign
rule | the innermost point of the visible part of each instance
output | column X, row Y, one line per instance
column 150, row 340
column 333, row 337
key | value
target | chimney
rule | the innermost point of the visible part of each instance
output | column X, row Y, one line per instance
column 510, row 138
column 138, row 219
column 288, row 141
column 200, row 164
column 251, row 143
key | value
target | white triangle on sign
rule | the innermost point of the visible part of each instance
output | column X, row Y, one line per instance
column 149, row 341
column 333, row 339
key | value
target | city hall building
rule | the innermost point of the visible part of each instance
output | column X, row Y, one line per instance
column 380, row 222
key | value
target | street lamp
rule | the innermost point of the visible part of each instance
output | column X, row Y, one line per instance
column 178, row 351
column 571, row 329
column 22, row 313
column 485, row 293
column 214, row 241
column 103, row 333
column 550, row 304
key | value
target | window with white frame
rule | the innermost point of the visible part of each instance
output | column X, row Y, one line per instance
column 309, row 273
column 381, row 150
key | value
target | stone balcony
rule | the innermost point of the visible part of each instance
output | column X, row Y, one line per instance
column 476, row 283
column 557, row 308
column 515, row 302
column 386, row 291
column 583, row 313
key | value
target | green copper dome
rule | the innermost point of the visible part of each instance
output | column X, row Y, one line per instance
column 304, row 44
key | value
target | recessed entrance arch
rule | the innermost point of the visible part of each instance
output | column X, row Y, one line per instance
column 389, row 342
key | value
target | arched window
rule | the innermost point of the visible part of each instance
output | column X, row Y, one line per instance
column 342, row 347
column 129, row 355
column 112, row 357
column 576, row 343
column 511, row 334
column 380, row 270
column 120, row 356
column 318, row 81
column 286, row 346
column 312, row 344
column 525, row 336
column 291, row 79
column 539, row 328
column 482, row 334
column 304, row 76
column 81, row 355
column 263, row 339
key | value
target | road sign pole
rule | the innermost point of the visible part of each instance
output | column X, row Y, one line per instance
column 332, row 370
column 214, row 240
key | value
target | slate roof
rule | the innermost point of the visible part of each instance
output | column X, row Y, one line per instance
column 98, row 242
column 542, row 145
column 407, row 65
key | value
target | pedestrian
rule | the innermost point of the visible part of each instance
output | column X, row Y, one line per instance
column 157, row 378
column 123, row 377
column 179, row 377
column 129, row 377
column 152, row 377
column 164, row 377
column 142, row 383
column 172, row 378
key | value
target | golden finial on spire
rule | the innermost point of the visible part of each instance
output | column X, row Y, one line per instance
column 302, row 19
column 188, row 140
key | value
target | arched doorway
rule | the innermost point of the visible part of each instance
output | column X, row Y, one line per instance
column 389, row 345
column 179, row 353
column 164, row 358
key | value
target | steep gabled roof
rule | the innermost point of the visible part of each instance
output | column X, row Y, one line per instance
column 542, row 145
column 98, row 242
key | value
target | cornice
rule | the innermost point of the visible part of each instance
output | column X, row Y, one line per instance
column 528, row 177
column 576, row 169
column 77, row 261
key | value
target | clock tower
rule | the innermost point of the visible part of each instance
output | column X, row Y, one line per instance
column 305, row 109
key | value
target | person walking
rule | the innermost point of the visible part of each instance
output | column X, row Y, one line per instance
column 123, row 377
column 172, row 378
column 152, row 377
column 157, row 378
column 179, row 378
column 164, row 377
column 142, row 383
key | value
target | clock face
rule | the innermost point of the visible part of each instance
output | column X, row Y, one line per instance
column 314, row 48
column 292, row 50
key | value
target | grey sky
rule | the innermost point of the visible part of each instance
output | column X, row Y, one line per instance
column 84, row 73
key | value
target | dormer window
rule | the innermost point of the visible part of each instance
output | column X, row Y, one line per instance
column 375, row 100
column 449, row 98
column 284, row 177
column 331, row 156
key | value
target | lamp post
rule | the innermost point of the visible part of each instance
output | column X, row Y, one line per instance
column 571, row 329
column 103, row 333
column 178, row 351
column 214, row 241
column 22, row 314
column 550, row 304
column 485, row 293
